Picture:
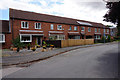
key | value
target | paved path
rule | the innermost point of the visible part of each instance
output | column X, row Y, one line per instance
column 39, row 56
column 92, row 62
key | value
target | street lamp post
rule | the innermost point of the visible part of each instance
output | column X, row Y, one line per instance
column 104, row 34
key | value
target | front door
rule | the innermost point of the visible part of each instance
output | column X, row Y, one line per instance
column 39, row 40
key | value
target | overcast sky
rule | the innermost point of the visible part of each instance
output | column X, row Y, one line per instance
column 89, row 10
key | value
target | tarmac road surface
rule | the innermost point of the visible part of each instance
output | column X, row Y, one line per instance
column 92, row 62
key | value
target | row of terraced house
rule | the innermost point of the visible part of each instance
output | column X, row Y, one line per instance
column 35, row 27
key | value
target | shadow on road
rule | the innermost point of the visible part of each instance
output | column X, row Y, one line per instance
column 108, row 64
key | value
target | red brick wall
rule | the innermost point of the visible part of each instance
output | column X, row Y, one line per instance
column 8, row 41
column 45, row 27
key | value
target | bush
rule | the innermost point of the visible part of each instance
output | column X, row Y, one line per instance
column 103, row 39
column 16, row 43
column 109, row 38
column 117, row 38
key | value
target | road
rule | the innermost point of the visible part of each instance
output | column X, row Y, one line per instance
column 92, row 62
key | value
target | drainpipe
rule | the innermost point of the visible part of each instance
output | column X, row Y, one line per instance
column 12, row 27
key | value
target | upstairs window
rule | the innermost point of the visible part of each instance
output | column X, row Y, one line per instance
column 70, row 28
column 24, row 24
column 51, row 26
column 83, row 29
column 99, row 30
column 37, row 25
column 89, row 29
column 107, row 30
column 95, row 29
column 75, row 28
column 104, row 31
column 59, row 27
column 2, row 38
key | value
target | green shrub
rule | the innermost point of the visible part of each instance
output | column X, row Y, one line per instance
column 109, row 38
column 16, row 43
column 117, row 38
column 103, row 39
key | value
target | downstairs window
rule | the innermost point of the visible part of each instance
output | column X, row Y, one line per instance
column 26, row 38
column 2, row 38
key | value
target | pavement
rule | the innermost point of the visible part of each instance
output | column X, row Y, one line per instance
column 23, row 59
column 88, row 62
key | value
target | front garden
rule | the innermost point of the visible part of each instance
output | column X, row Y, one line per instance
column 20, row 47
column 107, row 39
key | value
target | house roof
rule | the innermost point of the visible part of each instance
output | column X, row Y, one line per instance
column 4, row 28
column 19, row 14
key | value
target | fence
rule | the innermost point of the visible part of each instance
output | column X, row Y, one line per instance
column 56, row 43
column 68, row 43
column 71, row 42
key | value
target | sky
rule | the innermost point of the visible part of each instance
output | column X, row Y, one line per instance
column 89, row 10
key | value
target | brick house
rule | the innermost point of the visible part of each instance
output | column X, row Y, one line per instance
column 5, row 34
column 35, row 27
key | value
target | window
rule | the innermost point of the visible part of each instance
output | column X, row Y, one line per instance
column 97, row 37
column 37, row 25
column 51, row 26
column 2, row 38
column 95, row 29
column 99, row 30
column 77, row 37
column 75, row 28
column 104, row 31
column 107, row 30
column 24, row 24
column 89, row 29
column 83, row 28
column 59, row 27
column 26, row 38
column 61, row 37
column 56, row 37
column 106, row 36
column 70, row 28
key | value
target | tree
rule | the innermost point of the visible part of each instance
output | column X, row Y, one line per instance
column 113, row 14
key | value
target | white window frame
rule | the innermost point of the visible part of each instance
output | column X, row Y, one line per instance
column 106, row 36
column 57, row 37
column 3, row 38
column 95, row 29
column 58, row 26
column 25, row 35
column 88, row 29
column 104, row 30
column 75, row 28
column 97, row 37
column 107, row 30
column 70, row 28
column 84, row 29
column 37, row 25
column 99, row 31
column 24, row 23
column 77, row 37
column 52, row 26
